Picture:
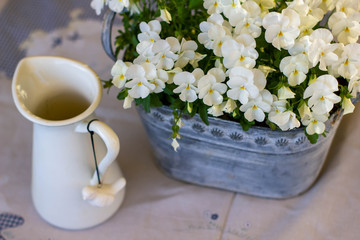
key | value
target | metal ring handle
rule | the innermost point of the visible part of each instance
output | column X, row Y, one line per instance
column 106, row 41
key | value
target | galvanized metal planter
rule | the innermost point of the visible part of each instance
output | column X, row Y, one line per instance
column 259, row 162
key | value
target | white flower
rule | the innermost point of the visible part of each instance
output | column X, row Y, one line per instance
column 322, row 98
column 348, row 7
column 348, row 65
column 354, row 86
column 255, row 109
column 304, row 111
column 315, row 123
column 133, row 7
column 186, row 53
column 118, row 5
column 214, row 32
column 237, row 54
column 187, row 90
column 165, row 15
column 149, row 31
column 217, row 110
column 211, row 87
column 165, row 52
column 175, row 144
column 301, row 46
column 249, row 21
column 140, row 75
column 282, row 29
column 245, row 84
column 171, row 73
column 347, row 105
column 197, row 58
column 213, row 6
column 295, row 68
column 286, row 120
column 229, row 106
column 118, row 71
column 321, row 49
column 97, row 5
column 346, row 29
column 232, row 8
column 285, row 93
column 127, row 102
column 160, row 80
column 265, row 5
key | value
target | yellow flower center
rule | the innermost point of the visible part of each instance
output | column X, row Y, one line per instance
column 342, row 9
column 347, row 29
column 152, row 40
column 163, row 56
column 322, row 53
column 122, row 76
column 220, row 44
column 139, row 83
column 188, row 87
column 242, row 58
column 254, row 107
column 216, row 4
column 346, row 62
column 242, row 88
column 296, row 72
column 322, row 98
column 233, row 4
column 211, row 91
column 280, row 34
column 277, row 111
column 247, row 24
column 147, row 60
column 314, row 121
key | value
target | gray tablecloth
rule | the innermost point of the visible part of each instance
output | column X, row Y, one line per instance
column 155, row 206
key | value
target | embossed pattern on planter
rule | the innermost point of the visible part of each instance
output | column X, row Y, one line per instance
column 259, row 162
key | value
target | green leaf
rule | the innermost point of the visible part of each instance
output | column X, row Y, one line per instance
column 123, row 94
column 312, row 138
column 155, row 100
column 145, row 102
column 204, row 113
column 245, row 124
column 177, row 104
column 195, row 4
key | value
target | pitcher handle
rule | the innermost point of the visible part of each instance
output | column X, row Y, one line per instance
column 106, row 41
column 112, row 144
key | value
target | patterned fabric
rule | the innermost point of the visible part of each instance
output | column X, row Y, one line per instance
column 8, row 220
column 19, row 18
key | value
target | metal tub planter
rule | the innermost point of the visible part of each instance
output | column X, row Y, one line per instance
column 259, row 162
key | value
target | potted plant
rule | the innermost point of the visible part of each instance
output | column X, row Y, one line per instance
column 249, row 93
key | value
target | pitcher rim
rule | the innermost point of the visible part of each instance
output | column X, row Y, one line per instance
column 46, row 122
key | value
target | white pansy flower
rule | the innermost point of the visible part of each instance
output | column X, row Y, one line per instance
column 230, row 106
column 256, row 108
column 348, row 7
column 186, row 88
column 118, row 5
column 265, row 5
column 211, row 87
column 237, row 54
column 217, row 110
column 186, row 53
column 140, row 87
column 321, row 49
column 146, row 54
column 97, row 5
column 213, row 6
column 304, row 111
column 149, row 31
column 282, row 28
column 127, row 102
column 354, row 86
column 250, row 23
column 285, row 93
column 165, row 15
column 245, row 84
column 347, row 105
column 197, row 58
column 295, row 68
column 315, row 123
column 133, row 8
column 118, row 72
column 284, row 119
column 348, row 65
column 164, row 51
column 232, row 7
column 322, row 98
column 301, row 46
column 171, row 73
column 345, row 29
column 160, row 80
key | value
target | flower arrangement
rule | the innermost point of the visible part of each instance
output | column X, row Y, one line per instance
column 265, row 62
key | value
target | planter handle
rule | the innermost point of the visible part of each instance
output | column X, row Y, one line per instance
column 109, row 17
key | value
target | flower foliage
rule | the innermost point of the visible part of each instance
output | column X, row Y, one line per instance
column 284, row 64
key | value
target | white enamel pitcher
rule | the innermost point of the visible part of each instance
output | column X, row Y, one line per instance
column 76, row 183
